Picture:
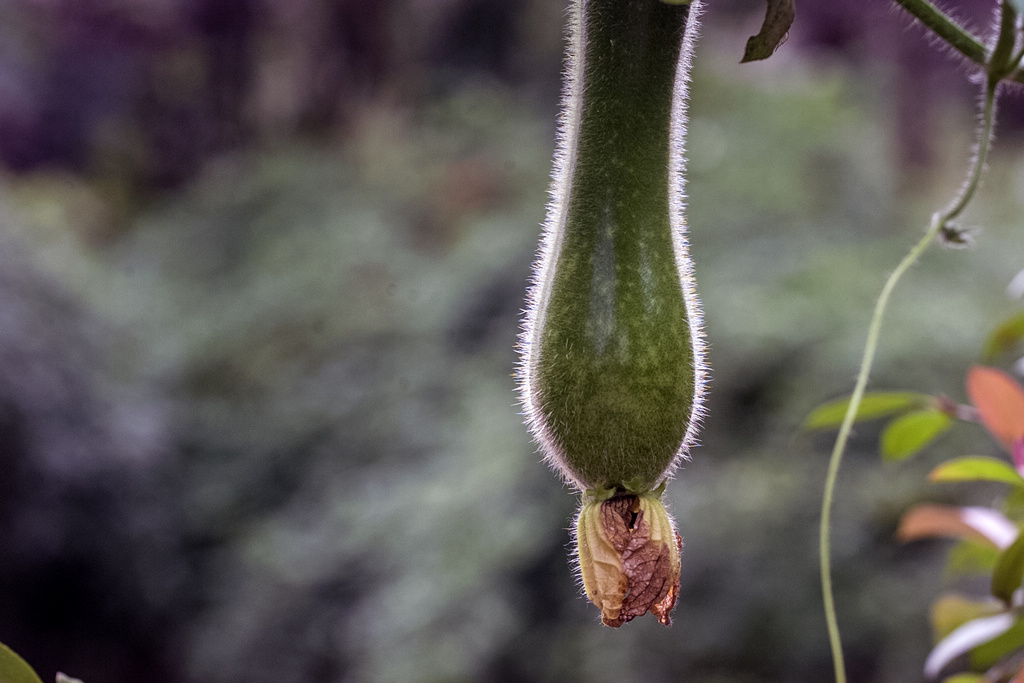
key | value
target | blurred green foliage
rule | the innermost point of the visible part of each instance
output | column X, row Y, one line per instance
column 313, row 342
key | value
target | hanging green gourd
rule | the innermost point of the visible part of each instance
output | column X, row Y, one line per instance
column 612, row 373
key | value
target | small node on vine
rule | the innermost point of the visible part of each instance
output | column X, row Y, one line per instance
column 953, row 236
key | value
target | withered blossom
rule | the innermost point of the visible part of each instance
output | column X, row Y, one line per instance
column 629, row 557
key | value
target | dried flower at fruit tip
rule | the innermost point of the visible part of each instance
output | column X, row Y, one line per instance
column 629, row 557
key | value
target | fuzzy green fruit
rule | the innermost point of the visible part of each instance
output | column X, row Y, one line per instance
column 612, row 375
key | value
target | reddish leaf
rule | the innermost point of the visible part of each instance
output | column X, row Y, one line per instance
column 945, row 521
column 1000, row 403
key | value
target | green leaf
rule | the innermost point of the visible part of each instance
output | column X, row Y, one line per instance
column 14, row 669
column 988, row 654
column 970, row 558
column 777, row 20
column 1013, row 504
column 874, row 405
column 968, row 637
column 908, row 434
column 1008, row 334
column 1009, row 571
column 965, row 678
column 951, row 611
column 976, row 468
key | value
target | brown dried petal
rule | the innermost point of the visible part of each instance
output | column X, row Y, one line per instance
column 600, row 564
column 629, row 558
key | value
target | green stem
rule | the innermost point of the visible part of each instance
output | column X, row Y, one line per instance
column 940, row 221
column 1009, row 30
column 959, row 38
column 1015, row 60
column 1000, row 63
column 977, row 169
column 955, row 35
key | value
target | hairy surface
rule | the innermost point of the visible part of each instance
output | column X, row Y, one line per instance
column 612, row 374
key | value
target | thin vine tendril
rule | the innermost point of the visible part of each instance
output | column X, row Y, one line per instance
column 940, row 220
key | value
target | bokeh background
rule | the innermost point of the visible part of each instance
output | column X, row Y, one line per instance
column 261, row 269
